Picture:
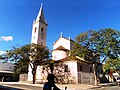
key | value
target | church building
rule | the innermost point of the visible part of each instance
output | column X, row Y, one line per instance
column 76, row 70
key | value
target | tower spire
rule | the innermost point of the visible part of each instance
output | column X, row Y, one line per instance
column 41, row 4
column 40, row 13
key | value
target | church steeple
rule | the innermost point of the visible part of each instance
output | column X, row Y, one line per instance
column 40, row 14
column 39, row 28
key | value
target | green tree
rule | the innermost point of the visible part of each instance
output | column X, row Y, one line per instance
column 20, row 67
column 30, row 54
column 20, row 58
column 103, row 44
column 112, row 64
column 38, row 54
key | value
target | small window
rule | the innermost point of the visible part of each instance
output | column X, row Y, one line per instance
column 66, row 68
column 80, row 68
column 90, row 70
column 35, row 30
column 42, row 30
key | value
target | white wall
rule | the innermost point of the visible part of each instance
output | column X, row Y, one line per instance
column 62, row 42
column 58, row 54
column 72, row 65
column 34, row 38
column 30, row 76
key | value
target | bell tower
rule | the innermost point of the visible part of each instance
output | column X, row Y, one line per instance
column 39, row 28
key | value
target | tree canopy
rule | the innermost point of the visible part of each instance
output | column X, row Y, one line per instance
column 113, row 65
column 97, row 46
column 30, row 54
column 104, row 43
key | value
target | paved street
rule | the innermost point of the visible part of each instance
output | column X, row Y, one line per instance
column 8, row 88
column 23, row 86
column 19, row 87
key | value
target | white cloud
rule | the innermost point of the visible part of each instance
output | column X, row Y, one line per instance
column 2, row 52
column 6, row 38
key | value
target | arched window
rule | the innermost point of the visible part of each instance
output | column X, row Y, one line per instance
column 42, row 30
column 35, row 30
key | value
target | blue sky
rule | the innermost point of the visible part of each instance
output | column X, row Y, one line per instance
column 71, row 17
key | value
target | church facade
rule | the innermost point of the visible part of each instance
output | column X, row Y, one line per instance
column 76, row 70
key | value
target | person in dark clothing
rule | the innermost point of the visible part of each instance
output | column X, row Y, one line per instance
column 50, row 85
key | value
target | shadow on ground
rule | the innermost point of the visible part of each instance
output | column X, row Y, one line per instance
column 104, row 85
column 8, row 88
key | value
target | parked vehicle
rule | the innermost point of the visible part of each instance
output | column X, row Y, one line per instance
column 118, row 80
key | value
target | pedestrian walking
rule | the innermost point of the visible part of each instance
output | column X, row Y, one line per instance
column 50, row 84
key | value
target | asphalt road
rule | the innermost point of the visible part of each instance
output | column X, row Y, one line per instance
column 8, row 88
column 29, row 87
column 19, row 87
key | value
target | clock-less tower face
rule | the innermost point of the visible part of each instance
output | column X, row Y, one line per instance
column 39, row 29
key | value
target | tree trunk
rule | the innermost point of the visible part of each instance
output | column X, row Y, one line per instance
column 95, row 75
column 34, row 77
column 34, row 74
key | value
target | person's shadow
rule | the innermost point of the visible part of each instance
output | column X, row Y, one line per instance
column 50, row 84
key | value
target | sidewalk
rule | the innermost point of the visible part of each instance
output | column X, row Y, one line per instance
column 76, row 86
column 69, row 86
